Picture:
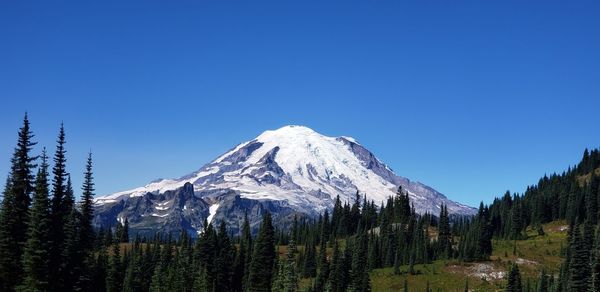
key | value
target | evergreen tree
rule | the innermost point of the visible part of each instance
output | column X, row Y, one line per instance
column 359, row 276
column 114, row 277
column 543, row 282
column 595, row 280
column 263, row 257
column 71, row 261
column 337, row 277
column 579, row 268
column 516, row 222
column 290, row 282
column 200, row 282
column 60, row 211
column 15, row 208
column 243, row 257
column 132, row 281
column 514, row 280
column 223, row 261
column 278, row 278
column 87, row 207
column 124, row 235
column 397, row 263
column 35, row 257
column 100, row 271
column 444, row 233
column 86, row 236
column 323, row 268
column 309, row 269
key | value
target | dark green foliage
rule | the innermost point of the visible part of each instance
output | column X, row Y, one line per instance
column 338, row 277
column 286, row 279
column 200, row 282
column 87, row 207
column 35, row 257
column 476, row 242
column 579, row 267
column 68, row 255
column 263, row 257
column 15, row 208
column 514, row 280
column 543, row 282
column 223, row 260
column 243, row 258
column 323, row 268
column 60, row 212
column 516, row 231
column 444, row 233
column 99, row 272
column 72, row 255
column 133, row 280
column 309, row 268
column 359, row 276
column 114, row 275
column 122, row 231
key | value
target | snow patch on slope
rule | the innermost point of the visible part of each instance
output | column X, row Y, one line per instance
column 212, row 211
column 301, row 167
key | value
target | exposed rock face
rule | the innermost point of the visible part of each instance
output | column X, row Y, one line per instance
column 290, row 171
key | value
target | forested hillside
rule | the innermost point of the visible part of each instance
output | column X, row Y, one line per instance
column 47, row 242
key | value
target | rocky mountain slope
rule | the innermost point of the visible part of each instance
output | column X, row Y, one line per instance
column 290, row 171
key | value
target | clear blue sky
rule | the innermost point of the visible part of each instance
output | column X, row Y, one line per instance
column 472, row 98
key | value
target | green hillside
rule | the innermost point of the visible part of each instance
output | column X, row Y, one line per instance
column 533, row 254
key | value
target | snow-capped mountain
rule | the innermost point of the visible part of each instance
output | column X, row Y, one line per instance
column 292, row 170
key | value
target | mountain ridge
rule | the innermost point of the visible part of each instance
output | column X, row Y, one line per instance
column 294, row 168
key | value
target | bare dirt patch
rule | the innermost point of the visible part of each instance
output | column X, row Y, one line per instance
column 522, row 261
column 483, row 271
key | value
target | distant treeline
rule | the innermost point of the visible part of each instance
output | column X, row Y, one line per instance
column 48, row 243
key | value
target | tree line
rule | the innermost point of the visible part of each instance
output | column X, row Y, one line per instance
column 573, row 196
column 48, row 241
column 46, row 238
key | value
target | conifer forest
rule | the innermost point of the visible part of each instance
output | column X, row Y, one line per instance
column 48, row 240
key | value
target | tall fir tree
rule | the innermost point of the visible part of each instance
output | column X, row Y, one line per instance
column 323, row 267
column 514, row 280
column 114, row 276
column 72, row 259
column 277, row 285
column 15, row 208
column 290, row 283
column 60, row 211
column 359, row 276
column 224, row 260
column 87, row 207
column 99, row 271
column 444, row 234
column 263, row 257
column 309, row 268
column 337, row 277
column 243, row 257
column 35, row 256
column 579, row 267
column 86, row 236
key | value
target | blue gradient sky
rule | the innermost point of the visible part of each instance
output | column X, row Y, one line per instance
column 470, row 97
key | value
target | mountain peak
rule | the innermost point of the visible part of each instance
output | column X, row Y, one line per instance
column 289, row 131
column 295, row 169
column 297, row 133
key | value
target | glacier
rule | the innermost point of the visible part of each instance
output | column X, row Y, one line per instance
column 294, row 169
